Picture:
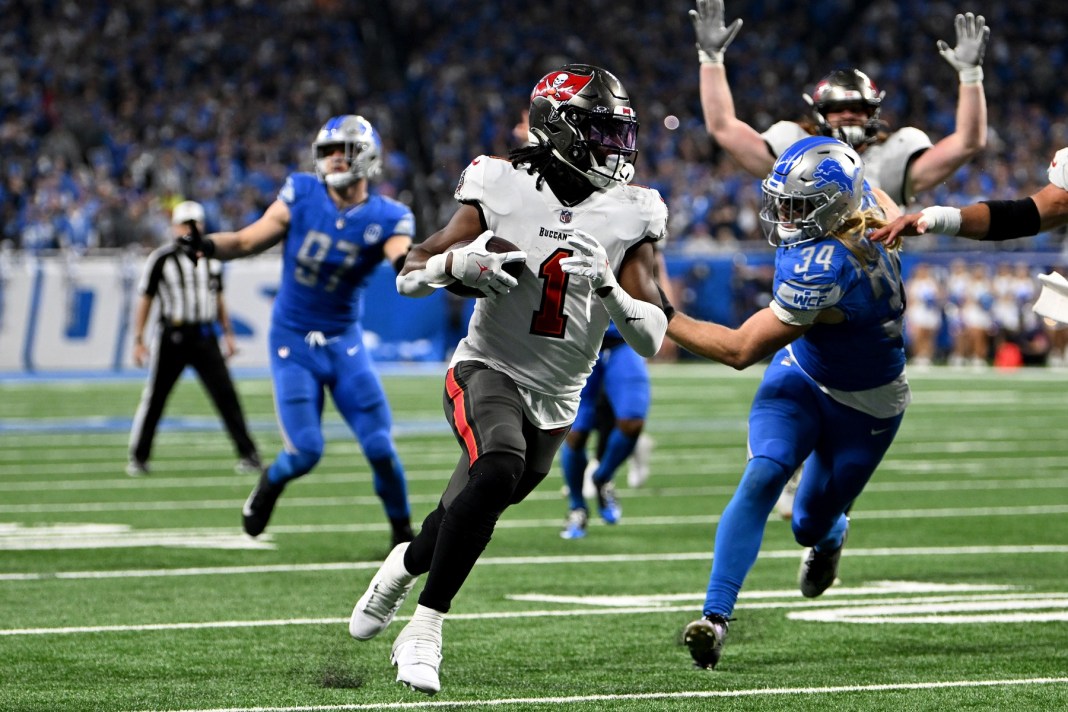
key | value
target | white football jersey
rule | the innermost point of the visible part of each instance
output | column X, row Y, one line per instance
column 547, row 331
column 1058, row 169
column 885, row 163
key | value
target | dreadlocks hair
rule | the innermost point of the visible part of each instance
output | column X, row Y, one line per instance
column 536, row 158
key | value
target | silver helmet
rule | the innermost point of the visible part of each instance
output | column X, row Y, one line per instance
column 362, row 146
column 814, row 186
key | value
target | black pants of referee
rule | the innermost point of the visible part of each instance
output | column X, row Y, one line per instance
column 178, row 347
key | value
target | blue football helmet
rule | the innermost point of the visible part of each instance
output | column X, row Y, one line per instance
column 362, row 145
column 814, row 186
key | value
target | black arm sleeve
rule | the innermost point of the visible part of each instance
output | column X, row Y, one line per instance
column 1012, row 218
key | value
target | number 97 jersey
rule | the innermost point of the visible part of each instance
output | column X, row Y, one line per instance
column 329, row 253
column 546, row 332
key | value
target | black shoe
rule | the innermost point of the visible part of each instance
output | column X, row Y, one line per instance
column 705, row 637
column 259, row 505
column 819, row 569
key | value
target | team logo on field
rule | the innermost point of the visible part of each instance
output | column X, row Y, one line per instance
column 565, row 216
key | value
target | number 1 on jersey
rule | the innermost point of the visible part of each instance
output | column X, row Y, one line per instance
column 549, row 320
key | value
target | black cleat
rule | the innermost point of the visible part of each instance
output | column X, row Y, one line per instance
column 819, row 570
column 705, row 637
column 259, row 505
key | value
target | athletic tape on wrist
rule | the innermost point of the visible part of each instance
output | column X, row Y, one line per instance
column 971, row 75
column 942, row 220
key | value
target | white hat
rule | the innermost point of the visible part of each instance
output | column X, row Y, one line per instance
column 187, row 210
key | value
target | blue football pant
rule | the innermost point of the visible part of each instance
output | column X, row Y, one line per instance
column 623, row 376
column 791, row 418
column 302, row 373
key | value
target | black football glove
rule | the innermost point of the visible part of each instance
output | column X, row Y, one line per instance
column 194, row 244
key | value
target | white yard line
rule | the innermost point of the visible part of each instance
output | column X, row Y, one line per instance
column 605, row 559
column 684, row 695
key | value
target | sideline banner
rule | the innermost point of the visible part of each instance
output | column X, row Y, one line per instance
column 61, row 315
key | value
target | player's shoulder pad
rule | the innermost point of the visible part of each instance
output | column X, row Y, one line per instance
column 811, row 276
column 396, row 217
column 783, row 134
column 481, row 172
column 907, row 140
column 297, row 186
column 653, row 209
column 1058, row 169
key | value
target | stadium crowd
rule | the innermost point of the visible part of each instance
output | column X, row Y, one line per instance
column 112, row 112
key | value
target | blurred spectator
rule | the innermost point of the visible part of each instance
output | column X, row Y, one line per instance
column 124, row 108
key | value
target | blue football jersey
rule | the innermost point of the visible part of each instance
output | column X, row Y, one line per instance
column 328, row 254
column 865, row 350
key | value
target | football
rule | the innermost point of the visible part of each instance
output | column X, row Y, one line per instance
column 495, row 244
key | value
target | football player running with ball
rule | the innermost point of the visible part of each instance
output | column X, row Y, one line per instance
column 512, row 390
column 835, row 391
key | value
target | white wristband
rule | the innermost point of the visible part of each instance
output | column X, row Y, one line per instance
column 709, row 57
column 971, row 75
column 940, row 220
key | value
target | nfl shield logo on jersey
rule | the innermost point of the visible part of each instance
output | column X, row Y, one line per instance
column 565, row 216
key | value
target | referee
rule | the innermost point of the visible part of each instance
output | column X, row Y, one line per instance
column 190, row 302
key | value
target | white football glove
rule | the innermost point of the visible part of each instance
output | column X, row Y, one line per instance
column 477, row 267
column 712, row 36
column 967, row 56
column 590, row 260
column 1058, row 169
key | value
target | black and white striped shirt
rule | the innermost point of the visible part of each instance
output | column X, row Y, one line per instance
column 187, row 294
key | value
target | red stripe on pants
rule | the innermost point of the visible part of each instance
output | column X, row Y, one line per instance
column 459, row 415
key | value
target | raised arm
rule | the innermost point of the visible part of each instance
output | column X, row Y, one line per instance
column 740, row 140
column 969, row 137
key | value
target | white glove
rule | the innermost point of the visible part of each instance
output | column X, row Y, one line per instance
column 1058, row 169
column 967, row 56
column 590, row 260
column 477, row 267
column 712, row 36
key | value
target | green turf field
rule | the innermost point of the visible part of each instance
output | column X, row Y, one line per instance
column 143, row 594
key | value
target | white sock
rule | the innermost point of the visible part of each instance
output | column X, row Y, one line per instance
column 426, row 619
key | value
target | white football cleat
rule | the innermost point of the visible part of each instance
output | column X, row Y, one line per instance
column 589, row 490
column 638, row 465
column 417, row 652
column 385, row 594
column 785, row 504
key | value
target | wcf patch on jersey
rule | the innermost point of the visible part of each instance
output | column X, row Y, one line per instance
column 806, row 297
